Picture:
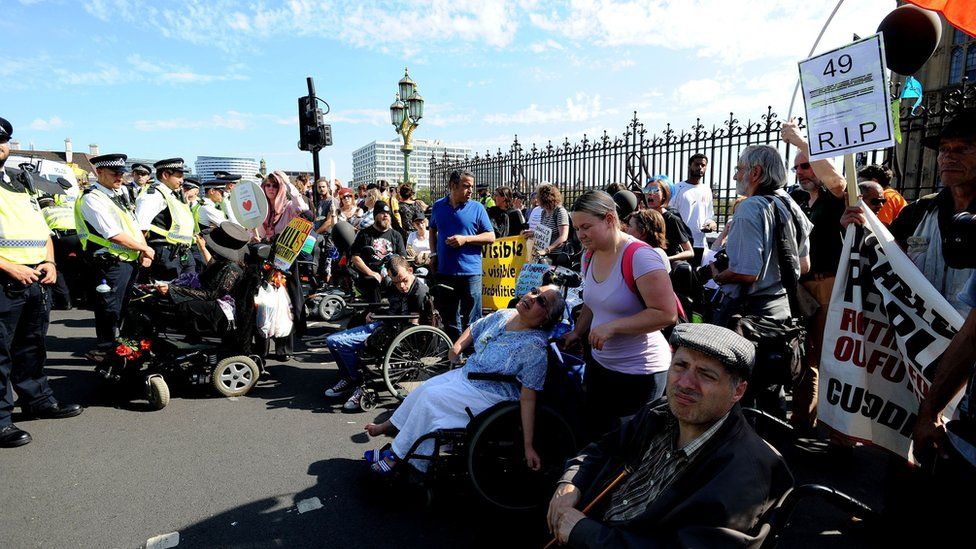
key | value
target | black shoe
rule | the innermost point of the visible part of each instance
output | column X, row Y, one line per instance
column 282, row 357
column 12, row 437
column 56, row 411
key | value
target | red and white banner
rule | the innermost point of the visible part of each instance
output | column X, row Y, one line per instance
column 887, row 328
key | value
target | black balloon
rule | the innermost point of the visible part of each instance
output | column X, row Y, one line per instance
column 911, row 35
column 626, row 203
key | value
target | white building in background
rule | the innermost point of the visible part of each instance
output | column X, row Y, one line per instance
column 384, row 160
column 205, row 166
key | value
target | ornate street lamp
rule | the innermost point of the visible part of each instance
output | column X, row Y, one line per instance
column 405, row 114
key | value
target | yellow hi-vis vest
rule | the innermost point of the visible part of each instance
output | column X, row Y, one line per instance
column 125, row 220
column 181, row 228
column 59, row 218
column 23, row 232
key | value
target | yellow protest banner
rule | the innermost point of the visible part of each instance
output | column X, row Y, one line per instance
column 290, row 242
column 501, row 263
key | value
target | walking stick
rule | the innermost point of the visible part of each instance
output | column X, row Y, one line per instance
column 613, row 484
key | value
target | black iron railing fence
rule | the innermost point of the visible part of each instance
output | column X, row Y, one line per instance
column 630, row 158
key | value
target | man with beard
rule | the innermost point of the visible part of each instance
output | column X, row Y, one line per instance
column 373, row 245
column 693, row 200
column 822, row 200
column 696, row 474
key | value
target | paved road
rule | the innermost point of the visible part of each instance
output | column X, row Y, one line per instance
column 280, row 467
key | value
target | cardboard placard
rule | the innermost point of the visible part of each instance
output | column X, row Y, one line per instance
column 845, row 92
column 501, row 262
column 542, row 236
column 290, row 242
column 249, row 204
column 530, row 277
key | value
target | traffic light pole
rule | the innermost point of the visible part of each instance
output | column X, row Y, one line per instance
column 315, row 150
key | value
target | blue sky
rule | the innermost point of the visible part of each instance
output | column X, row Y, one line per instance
column 215, row 77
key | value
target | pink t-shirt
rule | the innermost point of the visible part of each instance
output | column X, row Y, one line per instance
column 612, row 299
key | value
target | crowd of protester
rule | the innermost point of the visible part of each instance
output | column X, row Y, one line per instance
column 662, row 395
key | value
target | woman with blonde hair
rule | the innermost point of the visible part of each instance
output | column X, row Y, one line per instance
column 627, row 301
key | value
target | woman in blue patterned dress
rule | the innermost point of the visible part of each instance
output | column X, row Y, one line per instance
column 508, row 342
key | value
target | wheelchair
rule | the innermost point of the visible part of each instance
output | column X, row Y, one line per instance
column 156, row 349
column 400, row 355
column 489, row 453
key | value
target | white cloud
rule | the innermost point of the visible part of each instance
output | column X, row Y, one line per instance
column 52, row 123
column 371, row 117
column 732, row 32
column 580, row 108
column 230, row 25
column 230, row 120
column 622, row 64
column 547, row 45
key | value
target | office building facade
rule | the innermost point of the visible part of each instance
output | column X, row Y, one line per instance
column 384, row 160
column 205, row 166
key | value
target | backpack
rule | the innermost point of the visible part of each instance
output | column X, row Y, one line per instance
column 627, row 270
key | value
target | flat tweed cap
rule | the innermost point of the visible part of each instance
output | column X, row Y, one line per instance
column 737, row 353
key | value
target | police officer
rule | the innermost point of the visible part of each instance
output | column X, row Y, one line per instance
column 114, row 244
column 191, row 195
column 60, row 218
column 140, row 178
column 167, row 221
column 230, row 181
column 210, row 214
column 26, row 269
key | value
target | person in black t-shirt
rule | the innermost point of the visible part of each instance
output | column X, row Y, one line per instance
column 373, row 245
column 407, row 295
column 658, row 195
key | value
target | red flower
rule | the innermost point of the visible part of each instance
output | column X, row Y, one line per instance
column 145, row 344
column 123, row 350
column 135, row 355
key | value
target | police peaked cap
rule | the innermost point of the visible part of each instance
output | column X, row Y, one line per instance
column 226, row 177
column 111, row 161
column 141, row 167
column 191, row 183
column 175, row 164
column 6, row 130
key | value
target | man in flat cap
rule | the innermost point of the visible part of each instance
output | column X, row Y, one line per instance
column 27, row 270
column 696, row 474
column 167, row 221
column 114, row 246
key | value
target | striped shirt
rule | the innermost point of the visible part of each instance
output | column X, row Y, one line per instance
column 662, row 463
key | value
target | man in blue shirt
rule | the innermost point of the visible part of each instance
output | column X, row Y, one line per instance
column 459, row 227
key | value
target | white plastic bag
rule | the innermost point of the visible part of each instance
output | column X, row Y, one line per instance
column 274, row 316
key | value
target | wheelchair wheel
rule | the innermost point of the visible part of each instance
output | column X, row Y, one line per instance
column 331, row 307
column 157, row 392
column 496, row 456
column 235, row 375
column 415, row 355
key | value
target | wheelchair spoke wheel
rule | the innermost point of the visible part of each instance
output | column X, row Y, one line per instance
column 496, row 456
column 415, row 355
column 235, row 376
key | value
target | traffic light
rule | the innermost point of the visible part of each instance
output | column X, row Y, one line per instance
column 313, row 132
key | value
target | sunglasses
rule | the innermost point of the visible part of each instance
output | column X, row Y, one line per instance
column 652, row 190
column 801, row 166
column 271, row 185
column 538, row 297
column 878, row 201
